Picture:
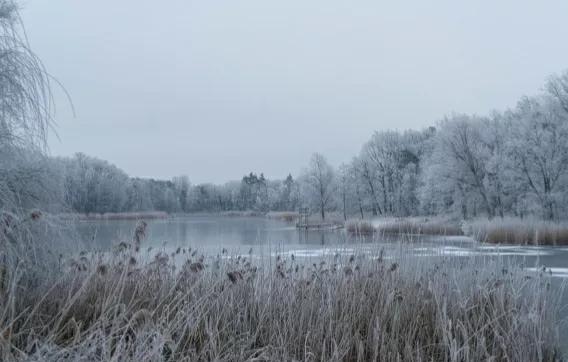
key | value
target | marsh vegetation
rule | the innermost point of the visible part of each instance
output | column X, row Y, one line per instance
column 528, row 231
column 140, row 303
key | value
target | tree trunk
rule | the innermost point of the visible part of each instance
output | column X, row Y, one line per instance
column 549, row 209
column 344, row 207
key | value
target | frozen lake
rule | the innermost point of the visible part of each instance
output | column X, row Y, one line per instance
column 238, row 234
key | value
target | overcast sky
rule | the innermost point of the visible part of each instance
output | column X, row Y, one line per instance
column 214, row 89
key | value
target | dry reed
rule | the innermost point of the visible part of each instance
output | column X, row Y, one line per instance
column 420, row 226
column 287, row 216
column 518, row 231
column 359, row 227
column 343, row 308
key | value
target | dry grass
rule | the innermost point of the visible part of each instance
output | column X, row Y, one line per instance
column 518, row 231
column 359, row 227
column 421, row 226
column 144, row 306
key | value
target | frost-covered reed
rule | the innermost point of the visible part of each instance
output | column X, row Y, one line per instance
column 175, row 305
column 518, row 231
column 359, row 227
column 287, row 216
column 418, row 225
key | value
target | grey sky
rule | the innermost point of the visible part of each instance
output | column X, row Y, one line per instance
column 214, row 89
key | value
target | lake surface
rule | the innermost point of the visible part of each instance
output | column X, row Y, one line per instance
column 239, row 235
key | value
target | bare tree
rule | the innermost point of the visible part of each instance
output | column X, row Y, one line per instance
column 557, row 87
column 182, row 188
column 461, row 142
column 343, row 187
column 539, row 149
column 362, row 168
column 319, row 179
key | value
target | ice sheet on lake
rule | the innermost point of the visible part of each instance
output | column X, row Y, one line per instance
column 554, row 272
column 448, row 250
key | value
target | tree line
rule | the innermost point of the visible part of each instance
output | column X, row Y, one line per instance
column 86, row 184
column 513, row 162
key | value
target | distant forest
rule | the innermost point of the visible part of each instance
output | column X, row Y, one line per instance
column 513, row 162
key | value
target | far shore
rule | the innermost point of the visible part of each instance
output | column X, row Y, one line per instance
column 289, row 216
column 116, row 215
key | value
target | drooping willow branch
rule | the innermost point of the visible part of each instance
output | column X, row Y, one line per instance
column 26, row 101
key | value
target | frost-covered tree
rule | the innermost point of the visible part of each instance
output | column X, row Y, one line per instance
column 380, row 153
column 182, row 188
column 288, row 194
column 25, row 112
column 139, row 198
column 495, row 131
column 343, row 188
column 463, row 157
column 318, row 180
column 28, row 179
column 94, row 186
column 369, row 187
column 557, row 87
column 538, row 147
column 389, row 167
column 350, row 194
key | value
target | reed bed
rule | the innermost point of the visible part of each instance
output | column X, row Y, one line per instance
column 359, row 227
column 333, row 220
column 526, row 231
column 420, row 226
column 140, row 304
